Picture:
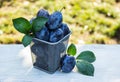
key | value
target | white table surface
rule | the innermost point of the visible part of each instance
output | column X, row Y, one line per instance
column 16, row 66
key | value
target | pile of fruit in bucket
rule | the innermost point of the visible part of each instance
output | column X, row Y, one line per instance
column 54, row 30
column 50, row 28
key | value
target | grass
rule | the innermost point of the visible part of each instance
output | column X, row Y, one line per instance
column 89, row 20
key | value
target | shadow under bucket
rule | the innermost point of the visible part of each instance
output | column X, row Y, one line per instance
column 46, row 56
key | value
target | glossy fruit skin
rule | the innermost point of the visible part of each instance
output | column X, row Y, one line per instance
column 43, row 34
column 65, row 28
column 56, row 35
column 67, row 63
column 55, row 20
column 43, row 13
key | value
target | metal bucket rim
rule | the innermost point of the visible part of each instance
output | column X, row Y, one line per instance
column 50, row 43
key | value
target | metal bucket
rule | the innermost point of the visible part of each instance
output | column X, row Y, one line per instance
column 46, row 56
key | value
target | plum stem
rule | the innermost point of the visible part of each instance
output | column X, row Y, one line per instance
column 62, row 9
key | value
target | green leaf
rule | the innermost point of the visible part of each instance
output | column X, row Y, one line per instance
column 87, row 55
column 38, row 23
column 72, row 50
column 85, row 67
column 26, row 40
column 22, row 25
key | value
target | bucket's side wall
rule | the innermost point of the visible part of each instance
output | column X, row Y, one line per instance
column 47, row 57
column 32, row 54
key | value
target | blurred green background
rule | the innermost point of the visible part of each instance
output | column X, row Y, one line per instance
column 91, row 21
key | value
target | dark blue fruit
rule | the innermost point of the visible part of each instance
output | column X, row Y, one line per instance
column 65, row 28
column 43, row 13
column 56, row 35
column 67, row 63
column 43, row 34
column 55, row 20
